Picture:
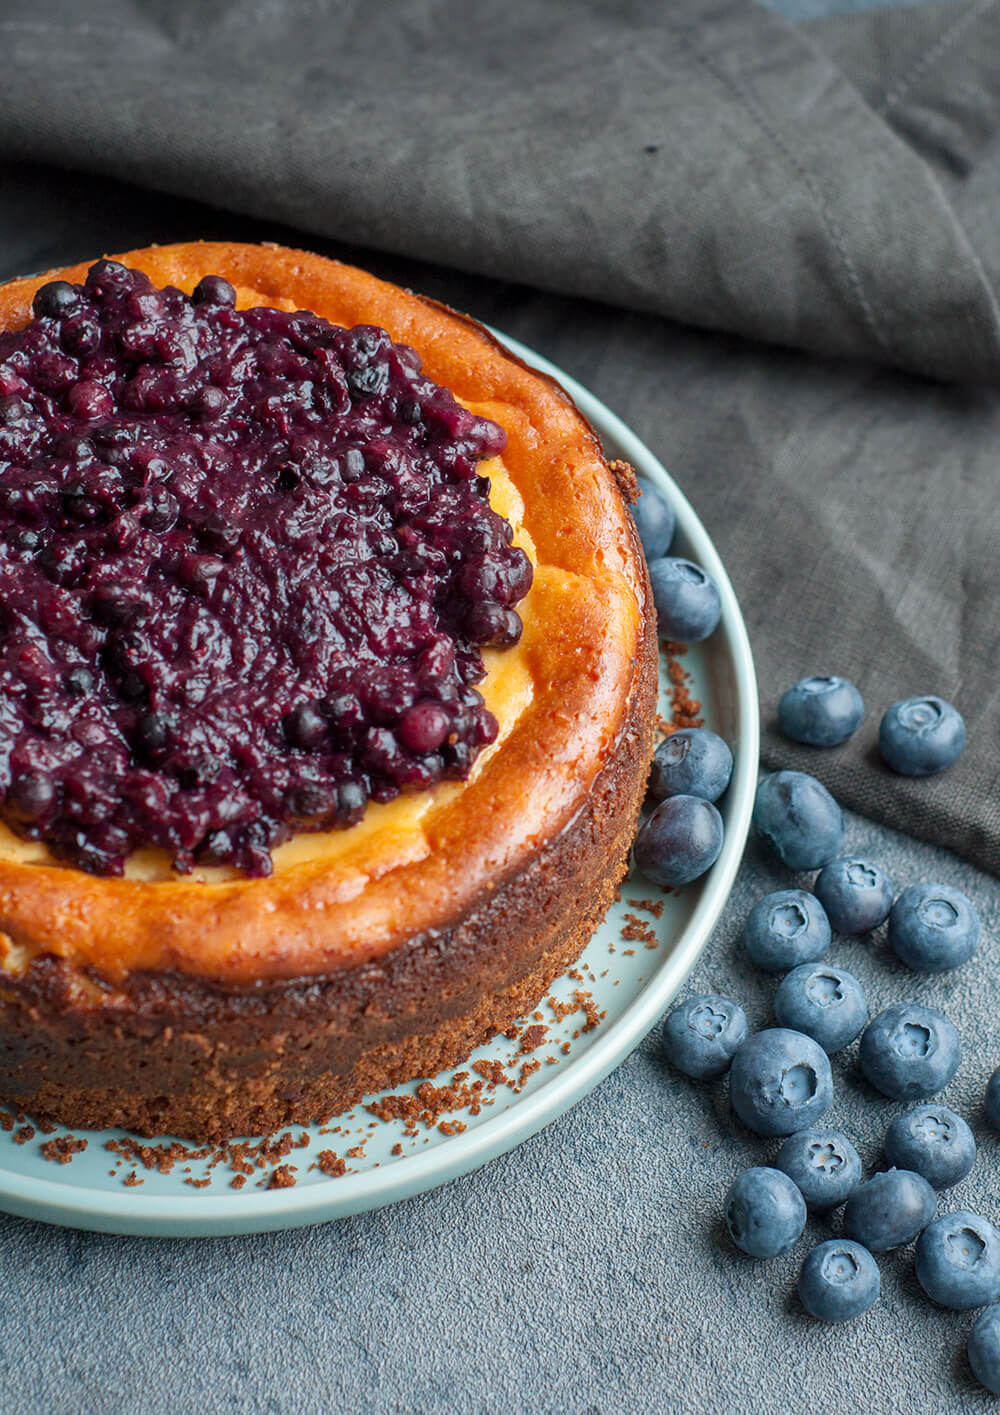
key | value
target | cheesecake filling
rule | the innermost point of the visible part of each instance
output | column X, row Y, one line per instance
column 249, row 566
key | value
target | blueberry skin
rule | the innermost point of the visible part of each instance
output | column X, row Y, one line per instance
column 821, row 712
column 654, row 519
column 958, row 1261
column 984, row 1349
column 786, row 928
column 701, row 1036
column 933, row 927
column 687, row 600
column 909, row 1052
column 856, row 894
column 679, row 841
column 796, row 815
column 933, row 1141
column 890, row 1210
column 921, row 736
column 823, row 1164
column 826, row 1003
column 691, row 762
column 839, row 1280
column 780, row 1081
column 991, row 1100
column 765, row 1213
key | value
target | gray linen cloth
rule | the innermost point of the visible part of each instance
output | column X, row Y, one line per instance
column 825, row 197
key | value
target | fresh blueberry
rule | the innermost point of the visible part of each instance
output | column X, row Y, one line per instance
column 691, row 762
column 687, row 600
column 765, row 1212
column 825, row 1002
column 679, row 841
column 958, row 1261
column 991, row 1101
column 796, row 815
column 780, row 1082
column 856, row 894
column 214, row 290
column 55, row 299
column 909, row 1052
column 933, row 1141
column 821, row 712
column 839, row 1280
column 984, row 1349
column 786, row 928
column 890, row 1210
column 933, row 927
column 654, row 519
column 825, row 1166
column 921, row 736
column 701, row 1036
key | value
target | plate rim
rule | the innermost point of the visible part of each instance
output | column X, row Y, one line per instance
column 78, row 1206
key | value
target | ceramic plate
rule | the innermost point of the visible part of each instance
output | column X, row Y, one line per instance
column 587, row 1025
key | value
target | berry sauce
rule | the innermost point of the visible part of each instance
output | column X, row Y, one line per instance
column 248, row 567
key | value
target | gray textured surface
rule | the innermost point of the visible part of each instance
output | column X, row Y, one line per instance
column 586, row 1271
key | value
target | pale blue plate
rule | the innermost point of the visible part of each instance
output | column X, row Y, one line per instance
column 629, row 982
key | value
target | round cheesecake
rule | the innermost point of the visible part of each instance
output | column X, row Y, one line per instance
column 237, row 987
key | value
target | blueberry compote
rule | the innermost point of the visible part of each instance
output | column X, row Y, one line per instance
column 248, row 567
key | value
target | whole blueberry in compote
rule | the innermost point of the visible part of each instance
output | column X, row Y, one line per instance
column 839, row 1280
column 921, row 736
column 796, row 815
column 991, row 1101
column 856, row 894
column 691, row 762
column 825, row 1166
column 984, row 1349
column 687, row 600
column 821, row 712
column 765, row 1213
column 780, row 1081
column 679, row 841
column 957, row 1261
column 825, row 1002
column 933, row 1141
column 786, row 928
column 250, row 565
column 654, row 519
column 889, row 1210
column 909, row 1052
column 933, row 927
column 702, row 1034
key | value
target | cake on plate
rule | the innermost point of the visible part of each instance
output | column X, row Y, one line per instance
column 327, row 687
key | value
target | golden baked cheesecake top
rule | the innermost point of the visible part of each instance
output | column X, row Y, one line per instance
column 445, row 418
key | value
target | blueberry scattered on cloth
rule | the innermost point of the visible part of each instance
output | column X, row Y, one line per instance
column 796, row 815
column 909, row 1052
column 933, row 927
column 823, row 1164
column 889, row 1210
column 765, row 1213
column 825, row 1002
column 933, row 1141
column 821, row 712
column 921, row 736
column 786, row 929
column 991, row 1100
column 839, row 1280
column 856, row 894
column 701, row 1036
column 984, row 1349
column 780, row 1081
column 957, row 1260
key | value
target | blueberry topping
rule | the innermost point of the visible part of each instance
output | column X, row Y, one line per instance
column 839, row 1281
column 856, row 894
column 691, row 762
column 933, row 1141
column 933, row 927
column 250, row 564
column 765, row 1213
column 921, row 736
column 821, row 712
column 909, row 1052
column 826, row 1003
column 701, row 1036
column 823, row 1164
column 957, row 1261
column 890, row 1210
column 654, row 519
column 796, row 815
column 780, row 1081
column 687, row 600
column 984, row 1349
column 786, row 928
column 679, row 841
